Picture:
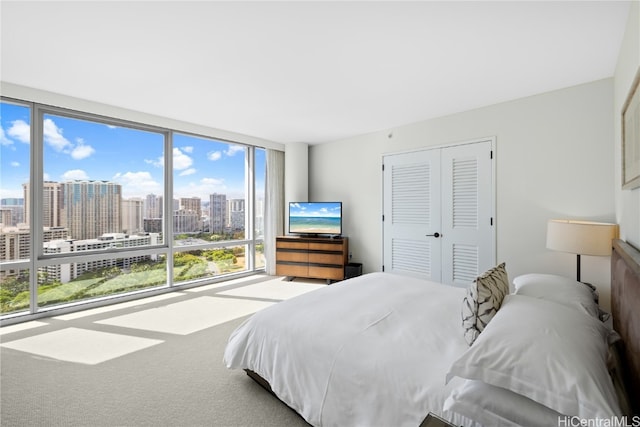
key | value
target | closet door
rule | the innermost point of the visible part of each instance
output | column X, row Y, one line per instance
column 438, row 212
column 468, row 242
column 411, row 197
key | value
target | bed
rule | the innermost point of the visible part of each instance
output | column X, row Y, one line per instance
column 383, row 349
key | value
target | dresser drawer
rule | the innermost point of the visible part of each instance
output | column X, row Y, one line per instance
column 332, row 273
column 292, row 244
column 325, row 258
column 288, row 255
column 283, row 269
column 330, row 247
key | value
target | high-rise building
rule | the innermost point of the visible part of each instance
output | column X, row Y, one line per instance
column 153, row 206
column 186, row 221
column 16, row 207
column 259, row 222
column 6, row 217
column 217, row 212
column 191, row 204
column 152, row 225
column 92, row 208
column 132, row 215
column 53, row 214
column 235, row 214
column 11, row 201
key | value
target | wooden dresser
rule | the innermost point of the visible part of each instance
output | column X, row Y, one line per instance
column 311, row 257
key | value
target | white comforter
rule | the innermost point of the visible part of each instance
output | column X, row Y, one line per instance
column 370, row 351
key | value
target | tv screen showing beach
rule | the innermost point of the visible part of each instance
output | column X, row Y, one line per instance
column 315, row 217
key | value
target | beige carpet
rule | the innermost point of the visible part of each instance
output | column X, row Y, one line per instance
column 152, row 362
column 181, row 318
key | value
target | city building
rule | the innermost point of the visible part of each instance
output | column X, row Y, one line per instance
column 217, row 213
column 15, row 241
column 186, row 221
column 191, row 204
column 52, row 204
column 132, row 215
column 16, row 207
column 153, row 206
column 66, row 272
column 235, row 214
column 92, row 208
column 152, row 225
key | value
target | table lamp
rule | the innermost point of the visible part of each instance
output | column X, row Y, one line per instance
column 581, row 238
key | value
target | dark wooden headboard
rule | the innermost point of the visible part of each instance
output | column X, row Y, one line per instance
column 625, row 308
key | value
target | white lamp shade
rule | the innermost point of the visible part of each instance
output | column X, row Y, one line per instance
column 581, row 237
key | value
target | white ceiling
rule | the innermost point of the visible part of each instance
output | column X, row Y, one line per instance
column 307, row 71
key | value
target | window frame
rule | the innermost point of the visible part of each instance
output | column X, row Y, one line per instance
column 38, row 259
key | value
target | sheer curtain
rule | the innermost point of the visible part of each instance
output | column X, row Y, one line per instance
column 273, row 207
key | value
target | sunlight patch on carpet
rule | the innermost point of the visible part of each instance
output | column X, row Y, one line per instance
column 81, row 345
column 21, row 327
column 186, row 317
column 277, row 289
column 120, row 306
column 226, row 283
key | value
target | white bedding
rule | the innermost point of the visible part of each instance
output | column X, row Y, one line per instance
column 326, row 353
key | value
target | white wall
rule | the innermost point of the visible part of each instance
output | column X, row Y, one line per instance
column 554, row 160
column 296, row 185
column 627, row 201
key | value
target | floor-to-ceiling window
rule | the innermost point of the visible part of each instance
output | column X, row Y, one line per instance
column 15, row 168
column 212, row 201
column 93, row 207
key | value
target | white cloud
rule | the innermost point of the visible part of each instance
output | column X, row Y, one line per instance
column 82, row 151
column 74, row 174
column 20, row 130
column 214, row 155
column 53, row 136
column 189, row 171
column 180, row 160
column 202, row 188
column 187, row 149
column 137, row 184
column 212, row 181
column 233, row 149
column 3, row 138
column 15, row 164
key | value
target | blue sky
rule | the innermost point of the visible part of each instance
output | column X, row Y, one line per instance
column 77, row 149
column 316, row 209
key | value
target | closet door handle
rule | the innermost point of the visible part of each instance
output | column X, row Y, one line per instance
column 436, row 235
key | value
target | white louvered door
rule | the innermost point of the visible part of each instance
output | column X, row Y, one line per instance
column 411, row 211
column 468, row 247
column 448, row 191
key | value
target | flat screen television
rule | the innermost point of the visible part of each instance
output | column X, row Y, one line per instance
column 315, row 218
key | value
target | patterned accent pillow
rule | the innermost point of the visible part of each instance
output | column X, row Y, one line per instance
column 484, row 298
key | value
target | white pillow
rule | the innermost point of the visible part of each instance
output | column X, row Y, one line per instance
column 547, row 353
column 560, row 289
column 495, row 406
